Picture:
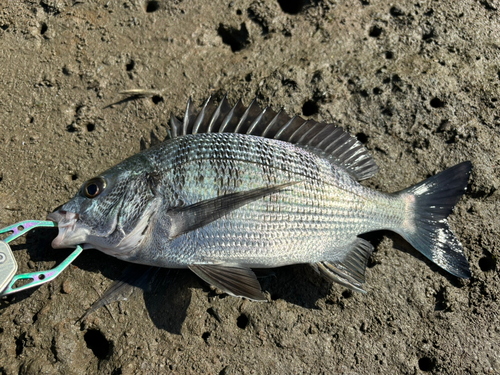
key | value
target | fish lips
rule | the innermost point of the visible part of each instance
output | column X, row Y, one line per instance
column 71, row 233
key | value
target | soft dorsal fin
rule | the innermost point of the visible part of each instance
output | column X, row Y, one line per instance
column 327, row 140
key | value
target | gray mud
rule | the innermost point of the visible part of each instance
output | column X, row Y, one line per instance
column 418, row 82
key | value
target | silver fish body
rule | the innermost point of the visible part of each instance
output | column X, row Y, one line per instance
column 221, row 203
column 315, row 219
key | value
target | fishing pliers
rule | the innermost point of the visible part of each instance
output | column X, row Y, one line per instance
column 8, row 264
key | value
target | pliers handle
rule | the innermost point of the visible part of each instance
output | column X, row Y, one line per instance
column 8, row 264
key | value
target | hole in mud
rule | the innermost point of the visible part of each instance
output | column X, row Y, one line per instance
column 72, row 128
column 377, row 91
column 130, row 65
column 90, row 127
column 4, row 27
column 396, row 12
column 239, row 12
column 289, row 83
column 310, row 108
column 387, row 112
column 347, row 294
column 248, row 77
column 441, row 303
column 49, row 9
column 20, row 344
column 74, row 177
column 426, row 364
column 437, row 103
column 96, row 342
column 389, row 55
column 291, row 6
column 487, row 263
column 429, row 13
column 43, row 29
column 236, row 39
column 205, row 336
column 157, row 99
column 375, row 31
column 428, row 36
column 362, row 137
column 152, row 6
column 242, row 321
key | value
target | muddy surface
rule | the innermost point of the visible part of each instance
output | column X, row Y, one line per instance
column 418, row 82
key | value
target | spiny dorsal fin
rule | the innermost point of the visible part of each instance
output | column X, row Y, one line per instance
column 326, row 140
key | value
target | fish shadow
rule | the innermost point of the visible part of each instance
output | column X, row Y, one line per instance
column 167, row 292
column 297, row 284
column 168, row 300
column 400, row 244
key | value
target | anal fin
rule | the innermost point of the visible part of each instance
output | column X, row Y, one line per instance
column 235, row 280
column 349, row 271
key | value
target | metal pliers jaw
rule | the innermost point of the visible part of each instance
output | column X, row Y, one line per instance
column 8, row 264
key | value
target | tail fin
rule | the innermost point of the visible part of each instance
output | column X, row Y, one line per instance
column 428, row 231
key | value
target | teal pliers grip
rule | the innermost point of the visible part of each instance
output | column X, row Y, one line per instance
column 23, row 227
column 8, row 264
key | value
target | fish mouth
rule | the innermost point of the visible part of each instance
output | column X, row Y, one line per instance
column 71, row 233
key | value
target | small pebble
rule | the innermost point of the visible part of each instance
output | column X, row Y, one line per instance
column 67, row 287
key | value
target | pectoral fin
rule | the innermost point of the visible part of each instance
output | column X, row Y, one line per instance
column 197, row 215
column 234, row 280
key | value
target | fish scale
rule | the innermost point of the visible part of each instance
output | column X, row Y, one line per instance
column 256, row 188
column 320, row 204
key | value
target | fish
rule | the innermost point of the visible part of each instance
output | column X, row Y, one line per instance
column 235, row 188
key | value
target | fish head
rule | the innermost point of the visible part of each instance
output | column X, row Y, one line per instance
column 107, row 213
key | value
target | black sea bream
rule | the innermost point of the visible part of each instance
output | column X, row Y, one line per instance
column 236, row 188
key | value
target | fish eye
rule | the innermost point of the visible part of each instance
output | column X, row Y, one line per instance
column 94, row 187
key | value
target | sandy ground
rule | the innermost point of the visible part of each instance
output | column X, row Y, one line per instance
column 417, row 82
